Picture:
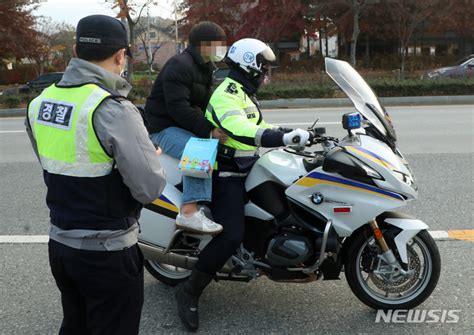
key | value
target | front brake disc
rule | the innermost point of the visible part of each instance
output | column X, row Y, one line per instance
column 401, row 283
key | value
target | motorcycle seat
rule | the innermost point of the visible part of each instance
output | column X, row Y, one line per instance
column 172, row 172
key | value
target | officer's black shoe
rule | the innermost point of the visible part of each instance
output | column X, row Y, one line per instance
column 187, row 296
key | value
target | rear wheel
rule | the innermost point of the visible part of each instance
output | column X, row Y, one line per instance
column 167, row 274
column 381, row 289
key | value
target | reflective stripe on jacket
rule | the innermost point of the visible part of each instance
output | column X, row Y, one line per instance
column 61, row 121
column 85, row 191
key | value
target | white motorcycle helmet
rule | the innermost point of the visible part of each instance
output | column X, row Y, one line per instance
column 250, row 54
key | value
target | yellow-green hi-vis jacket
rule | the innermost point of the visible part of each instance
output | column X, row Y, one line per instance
column 232, row 110
column 61, row 121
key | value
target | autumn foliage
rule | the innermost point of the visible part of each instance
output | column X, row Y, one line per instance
column 269, row 20
column 274, row 20
column 17, row 34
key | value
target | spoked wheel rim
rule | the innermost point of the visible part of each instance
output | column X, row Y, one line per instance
column 400, row 289
column 170, row 271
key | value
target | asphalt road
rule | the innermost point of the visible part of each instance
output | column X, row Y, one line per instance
column 437, row 141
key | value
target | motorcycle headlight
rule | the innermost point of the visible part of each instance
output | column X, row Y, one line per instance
column 403, row 177
column 371, row 172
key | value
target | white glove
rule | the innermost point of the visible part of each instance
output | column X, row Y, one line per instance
column 297, row 137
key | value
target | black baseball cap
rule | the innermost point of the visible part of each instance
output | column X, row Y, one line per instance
column 102, row 30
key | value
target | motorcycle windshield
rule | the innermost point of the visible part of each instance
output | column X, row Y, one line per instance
column 361, row 95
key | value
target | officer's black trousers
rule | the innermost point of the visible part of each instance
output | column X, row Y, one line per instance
column 101, row 291
column 228, row 201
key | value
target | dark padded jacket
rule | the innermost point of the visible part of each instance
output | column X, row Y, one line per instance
column 180, row 95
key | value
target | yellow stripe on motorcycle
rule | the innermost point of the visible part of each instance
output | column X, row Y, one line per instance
column 312, row 182
column 372, row 158
column 166, row 205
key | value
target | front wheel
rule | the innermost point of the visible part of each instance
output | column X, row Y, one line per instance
column 392, row 290
column 167, row 274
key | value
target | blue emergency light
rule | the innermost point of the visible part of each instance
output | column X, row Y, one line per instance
column 351, row 121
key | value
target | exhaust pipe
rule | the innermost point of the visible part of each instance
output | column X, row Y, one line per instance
column 156, row 253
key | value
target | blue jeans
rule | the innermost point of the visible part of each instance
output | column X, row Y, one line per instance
column 172, row 141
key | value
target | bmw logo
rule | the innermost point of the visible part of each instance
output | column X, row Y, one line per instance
column 317, row 198
column 249, row 57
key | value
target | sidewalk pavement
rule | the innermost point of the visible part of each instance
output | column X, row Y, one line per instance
column 338, row 102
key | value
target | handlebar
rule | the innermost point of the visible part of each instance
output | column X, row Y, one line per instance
column 316, row 136
column 297, row 139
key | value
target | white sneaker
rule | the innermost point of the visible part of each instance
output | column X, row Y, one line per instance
column 198, row 222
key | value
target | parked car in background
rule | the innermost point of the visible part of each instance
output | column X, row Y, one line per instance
column 464, row 68
column 36, row 85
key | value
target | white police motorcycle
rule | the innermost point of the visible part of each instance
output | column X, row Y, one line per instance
column 313, row 214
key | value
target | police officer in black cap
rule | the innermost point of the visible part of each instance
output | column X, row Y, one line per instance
column 99, row 167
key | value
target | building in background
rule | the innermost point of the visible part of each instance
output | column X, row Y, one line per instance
column 157, row 39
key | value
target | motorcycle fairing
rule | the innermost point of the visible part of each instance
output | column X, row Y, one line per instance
column 277, row 166
column 371, row 156
column 161, row 204
column 365, row 201
column 315, row 178
column 159, row 217
column 381, row 158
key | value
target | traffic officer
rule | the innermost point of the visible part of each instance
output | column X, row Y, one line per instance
column 99, row 167
column 234, row 109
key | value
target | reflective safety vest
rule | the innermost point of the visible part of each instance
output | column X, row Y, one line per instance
column 85, row 191
column 61, row 122
column 231, row 109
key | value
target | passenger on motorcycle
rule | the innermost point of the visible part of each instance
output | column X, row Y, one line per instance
column 175, row 113
column 233, row 108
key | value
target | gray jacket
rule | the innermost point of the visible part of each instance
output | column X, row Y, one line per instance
column 121, row 131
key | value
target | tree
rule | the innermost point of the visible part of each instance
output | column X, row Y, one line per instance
column 272, row 20
column 457, row 18
column 52, row 45
column 41, row 53
column 142, row 32
column 347, row 16
column 131, row 12
column 407, row 15
column 268, row 20
column 62, row 41
column 319, row 17
column 17, row 35
column 226, row 13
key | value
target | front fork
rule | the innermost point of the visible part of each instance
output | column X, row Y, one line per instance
column 387, row 254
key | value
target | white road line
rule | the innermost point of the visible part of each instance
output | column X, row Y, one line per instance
column 439, row 234
column 23, row 239
column 16, row 239
column 11, row 131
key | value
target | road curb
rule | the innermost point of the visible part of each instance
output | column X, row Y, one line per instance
column 12, row 112
column 321, row 103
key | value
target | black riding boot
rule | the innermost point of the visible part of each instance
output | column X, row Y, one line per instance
column 187, row 296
